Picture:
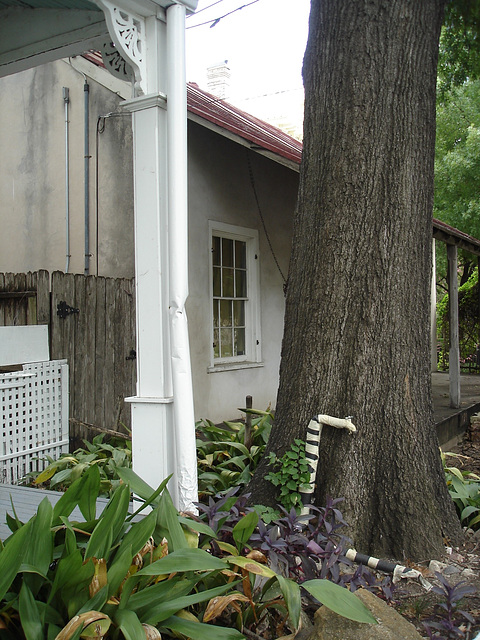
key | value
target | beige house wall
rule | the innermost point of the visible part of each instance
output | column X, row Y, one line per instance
column 32, row 175
column 32, row 213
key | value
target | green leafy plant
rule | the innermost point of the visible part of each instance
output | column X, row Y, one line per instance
column 282, row 549
column 290, row 474
column 117, row 576
column 464, row 488
column 469, row 326
column 107, row 457
column 224, row 459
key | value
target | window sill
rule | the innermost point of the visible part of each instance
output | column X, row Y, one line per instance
column 232, row 366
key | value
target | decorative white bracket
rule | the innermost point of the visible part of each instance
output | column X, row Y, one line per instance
column 125, row 57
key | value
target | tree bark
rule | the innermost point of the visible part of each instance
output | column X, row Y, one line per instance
column 356, row 337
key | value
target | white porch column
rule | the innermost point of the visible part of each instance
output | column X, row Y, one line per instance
column 454, row 354
column 163, row 429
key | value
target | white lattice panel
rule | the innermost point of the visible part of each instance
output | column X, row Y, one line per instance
column 34, row 417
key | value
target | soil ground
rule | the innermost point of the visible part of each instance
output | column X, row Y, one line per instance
column 462, row 563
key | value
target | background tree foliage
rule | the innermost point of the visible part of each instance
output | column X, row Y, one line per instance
column 457, row 158
column 459, row 51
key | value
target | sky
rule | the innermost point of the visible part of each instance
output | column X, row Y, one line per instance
column 264, row 44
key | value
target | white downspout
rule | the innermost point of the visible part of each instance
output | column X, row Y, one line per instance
column 186, row 454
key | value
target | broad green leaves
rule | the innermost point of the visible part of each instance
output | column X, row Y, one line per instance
column 339, row 600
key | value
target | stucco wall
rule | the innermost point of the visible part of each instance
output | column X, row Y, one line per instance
column 220, row 190
column 32, row 170
column 32, row 213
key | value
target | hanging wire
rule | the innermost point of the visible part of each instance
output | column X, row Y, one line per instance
column 252, row 181
column 192, row 15
column 215, row 21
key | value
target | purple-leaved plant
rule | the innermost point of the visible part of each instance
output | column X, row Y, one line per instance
column 302, row 547
column 450, row 615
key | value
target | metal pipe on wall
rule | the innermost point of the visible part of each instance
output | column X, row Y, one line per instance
column 86, row 146
column 66, row 100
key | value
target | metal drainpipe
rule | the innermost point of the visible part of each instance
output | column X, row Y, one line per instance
column 86, row 93
column 186, row 463
column 66, row 101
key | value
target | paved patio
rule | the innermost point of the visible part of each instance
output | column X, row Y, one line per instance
column 26, row 501
column 452, row 423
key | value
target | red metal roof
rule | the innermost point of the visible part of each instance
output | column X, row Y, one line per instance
column 258, row 133
column 265, row 136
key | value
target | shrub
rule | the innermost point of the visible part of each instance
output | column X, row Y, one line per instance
column 115, row 577
column 107, row 457
column 224, row 460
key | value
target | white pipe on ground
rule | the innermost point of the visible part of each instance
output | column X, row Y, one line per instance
column 186, row 454
column 312, row 444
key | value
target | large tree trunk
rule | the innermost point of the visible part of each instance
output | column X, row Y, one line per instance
column 356, row 338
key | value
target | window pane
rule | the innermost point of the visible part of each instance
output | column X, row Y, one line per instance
column 216, row 250
column 225, row 313
column 217, row 281
column 240, row 254
column 216, row 346
column 239, row 313
column 240, row 284
column 227, row 283
column 226, row 338
column 239, row 342
column 227, row 252
column 215, row 313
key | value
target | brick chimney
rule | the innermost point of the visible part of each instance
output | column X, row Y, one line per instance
column 218, row 80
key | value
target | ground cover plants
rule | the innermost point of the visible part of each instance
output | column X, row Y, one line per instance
column 451, row 615
column 115, row 577
column 228, row 455
column 106, row 456
column 272, row 556
column 464, row 488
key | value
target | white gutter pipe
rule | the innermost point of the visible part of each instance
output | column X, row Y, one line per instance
column 186, row 454
column 66, row 101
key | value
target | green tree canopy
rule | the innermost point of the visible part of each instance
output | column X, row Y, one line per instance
column 459, row 52
column 457, row 158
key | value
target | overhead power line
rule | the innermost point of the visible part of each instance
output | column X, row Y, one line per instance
column 215, row 21
column 192, row 15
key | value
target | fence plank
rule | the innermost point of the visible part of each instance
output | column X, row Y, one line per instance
column 2, row 306
column 88, row 345
column 131, row 379
column 9, row 305
column 80, row 330
column 100, row 348
column 31, row 285
column 109, row 371
column 43, row 297
column 63, row 329
column 20, row 304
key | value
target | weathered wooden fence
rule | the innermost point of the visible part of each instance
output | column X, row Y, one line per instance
column 95, row 333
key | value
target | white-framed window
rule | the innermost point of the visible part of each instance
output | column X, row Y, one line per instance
column 234, row 293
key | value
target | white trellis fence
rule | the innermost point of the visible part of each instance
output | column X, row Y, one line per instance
column 34, row 417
